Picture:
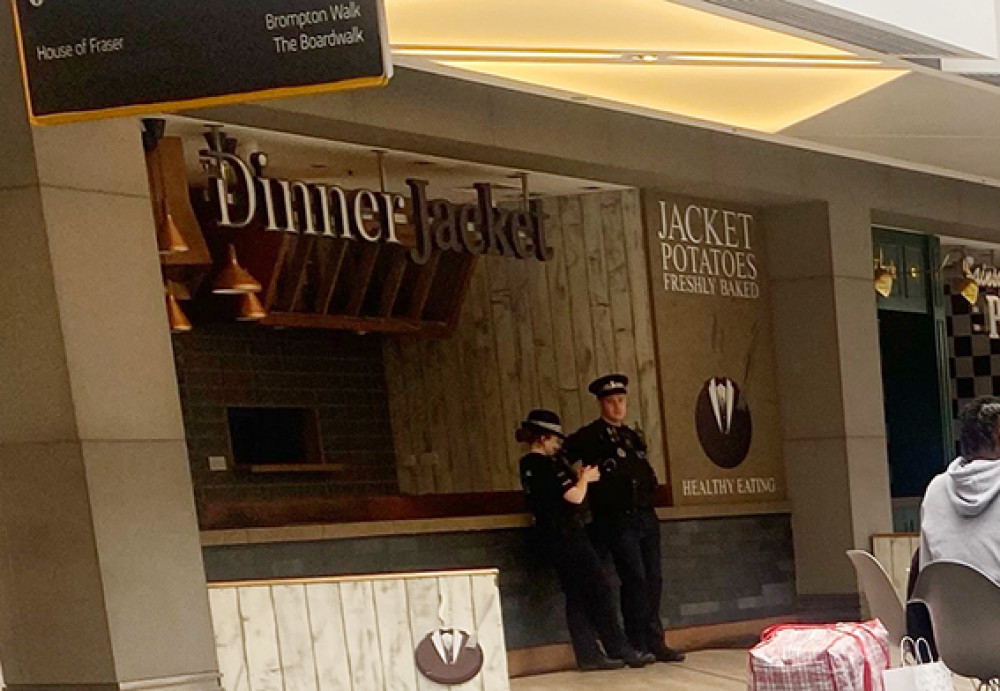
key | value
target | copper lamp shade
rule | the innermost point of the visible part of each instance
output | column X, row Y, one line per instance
column 169, row 238
column 251, row 309
column 178, row 320
column 233, row 279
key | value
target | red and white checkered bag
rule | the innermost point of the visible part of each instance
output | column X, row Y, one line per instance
column 827, row 657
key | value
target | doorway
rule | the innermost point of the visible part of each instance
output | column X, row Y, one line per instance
column 915, row 377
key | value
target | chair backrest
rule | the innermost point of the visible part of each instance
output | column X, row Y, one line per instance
column 964, row 605
column 883, row 600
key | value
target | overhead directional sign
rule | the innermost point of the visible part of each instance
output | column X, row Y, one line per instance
column 85, row 59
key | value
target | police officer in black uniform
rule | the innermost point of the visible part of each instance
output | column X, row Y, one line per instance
column 557, row 496
column 623, row 503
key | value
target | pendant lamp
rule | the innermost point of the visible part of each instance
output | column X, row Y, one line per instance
column 251, row 309
column 233, row 279
column 179, row 322
column 168, row 236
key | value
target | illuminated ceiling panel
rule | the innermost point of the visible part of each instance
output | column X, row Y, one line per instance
column 652, row 55
column 767, row 99
column 640, row 25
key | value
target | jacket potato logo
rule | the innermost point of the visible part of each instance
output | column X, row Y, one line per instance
column 722, row 419
column 449, row 656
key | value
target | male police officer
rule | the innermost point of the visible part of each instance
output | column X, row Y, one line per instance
column 625, row 521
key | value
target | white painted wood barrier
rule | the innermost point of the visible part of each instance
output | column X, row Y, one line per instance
column 352, row 633
column 894, row 552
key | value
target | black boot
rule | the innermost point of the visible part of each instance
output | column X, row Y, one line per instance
column 668, row 654
column 636, row 658
column 600, row 664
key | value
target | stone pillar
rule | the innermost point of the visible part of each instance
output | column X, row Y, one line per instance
column 101, row 578
column 826, row 328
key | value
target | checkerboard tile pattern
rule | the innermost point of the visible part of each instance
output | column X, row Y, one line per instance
column 973, row 357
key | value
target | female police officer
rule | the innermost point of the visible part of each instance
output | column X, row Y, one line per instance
column 556, row 495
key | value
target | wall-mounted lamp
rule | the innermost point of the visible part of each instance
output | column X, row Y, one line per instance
column 885, row 276
column 968, row 289
column 233, row 279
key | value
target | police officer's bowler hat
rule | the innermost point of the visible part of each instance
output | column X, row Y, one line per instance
column 609, row 385
column 543, row 422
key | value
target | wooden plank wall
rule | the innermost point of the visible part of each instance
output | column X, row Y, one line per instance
column 352, row 634
column 531, row 334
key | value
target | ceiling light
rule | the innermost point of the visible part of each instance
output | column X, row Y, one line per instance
column 622, row 26
column 504, row 54
column 784, row 60
column 755, row 97
column 556, row 55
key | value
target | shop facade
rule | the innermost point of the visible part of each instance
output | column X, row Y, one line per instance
column 772, row 308
column 742, row 548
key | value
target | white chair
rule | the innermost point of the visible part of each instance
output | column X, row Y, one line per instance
column 883, row 600
column 964, row 605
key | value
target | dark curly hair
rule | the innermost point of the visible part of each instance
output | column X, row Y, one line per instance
column 980, row 423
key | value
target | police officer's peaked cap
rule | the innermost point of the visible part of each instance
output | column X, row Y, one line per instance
column 609, row 385
column 544, row 421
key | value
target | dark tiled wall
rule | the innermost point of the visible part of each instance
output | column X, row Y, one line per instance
column 973, row 357
column 341, row 375
column 716, row 570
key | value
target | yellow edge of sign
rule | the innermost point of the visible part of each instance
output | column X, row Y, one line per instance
column 203, row 102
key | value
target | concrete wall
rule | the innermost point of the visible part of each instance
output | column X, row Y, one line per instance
column 102, row 584
column 827, row 260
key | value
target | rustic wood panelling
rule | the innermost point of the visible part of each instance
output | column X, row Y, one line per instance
column 352, row 633
column 645, row 344
column 531, row 334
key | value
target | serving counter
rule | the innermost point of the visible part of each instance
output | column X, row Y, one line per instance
column 359, row 633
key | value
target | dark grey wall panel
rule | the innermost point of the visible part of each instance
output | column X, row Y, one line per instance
column 716, row 570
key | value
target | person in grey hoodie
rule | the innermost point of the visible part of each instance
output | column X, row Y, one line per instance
column 960, row 515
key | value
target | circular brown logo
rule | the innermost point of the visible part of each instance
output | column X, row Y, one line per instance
column 722, row 419
column 449, row 656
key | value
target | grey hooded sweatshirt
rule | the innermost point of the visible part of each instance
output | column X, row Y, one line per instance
column 960, row 517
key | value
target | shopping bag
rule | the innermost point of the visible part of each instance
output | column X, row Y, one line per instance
column 823, row 657
column 919, row 671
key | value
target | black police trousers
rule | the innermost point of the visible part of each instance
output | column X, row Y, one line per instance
column 591, row 611
column 633, row 539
